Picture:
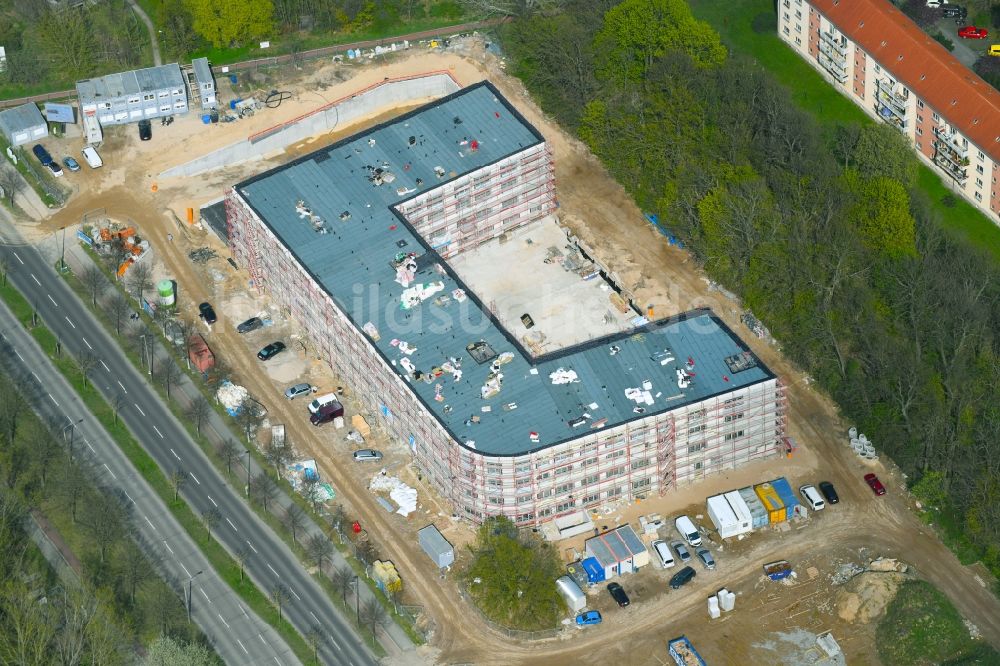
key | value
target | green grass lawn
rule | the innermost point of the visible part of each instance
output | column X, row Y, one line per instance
column 748, row 28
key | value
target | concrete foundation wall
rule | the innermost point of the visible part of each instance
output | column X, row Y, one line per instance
column 363, row 104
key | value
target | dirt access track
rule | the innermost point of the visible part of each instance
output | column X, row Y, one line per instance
column 600, row 212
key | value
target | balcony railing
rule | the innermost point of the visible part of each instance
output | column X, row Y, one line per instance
column 890, row 115
column 835, row 69
column 833, row 54
column 956, row 171
column 837, row 44
column 891, row 97
column 950, row 140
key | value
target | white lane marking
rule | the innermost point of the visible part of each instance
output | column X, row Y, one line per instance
column 137, row 406
column 272, row 569
column 109, row 471
column 336, row 644
column 186, row 572
column 158, row 432
column 36, row 280
column 119, row 383
column 195, row 478
column 231, row 525
column 128, row 496
column 294, row 594
column 37, row 378
column 85, row 342
column 251, row 546
column 106, row 367
column 19, row 356
column 261, row 639
column 276, row 660
column 17, row 257
column 150, row 522
column 244, row 612
column 52, row 399
column 223, row 620
column 168, row 547
column 175, row 454
column 73, row 325
column 53, row 300
column 314, row 616
column 212, row 501
column 242, row 646
column 202, row 590
column 90, row 447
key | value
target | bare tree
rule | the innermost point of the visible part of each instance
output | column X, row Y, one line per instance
column 249, row 419
column 230, row 453
column 295, row 517
column 10, row 182
column 242, row 555
column 342, row 577
column 337, row 518
column 118, row 308
column 263, row 489
column 277, row 456
column 311, row 491
column 116, row 405
column 198, row 411
column 85, row 362
column 140, row 280
column 12, row 407
column 134, row 568
column 43, row 448
column 72, row 486
column 211, row 518
column 4, row 268
column 106, row 522
column 366, row 551
column 373, row 615
column 319, row 549
column 177, row 480
column 94, row 281
column 315, row 638
column 169, row 373
column 279, row 595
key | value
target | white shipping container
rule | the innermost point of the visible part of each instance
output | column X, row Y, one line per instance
column 576, row 600
column 723, row 517
column 742, row 511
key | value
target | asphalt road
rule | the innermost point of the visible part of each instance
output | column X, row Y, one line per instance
column 238, row 635
column 271, row 562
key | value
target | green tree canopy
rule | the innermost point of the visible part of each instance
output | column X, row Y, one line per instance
column 513, row 579
column 882, row 214
column 228, row 22
column 882, row 151
column 638, row 32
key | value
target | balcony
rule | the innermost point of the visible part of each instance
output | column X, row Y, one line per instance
column 951, row 142
column 837, row 68
column 839, row 45
column 890, row 116
column 953, row 165
column 889, row 94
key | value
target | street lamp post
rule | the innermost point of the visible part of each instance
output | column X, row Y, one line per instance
column 62, row 257
column 357, row 598
column 248, row 472
column 189, row 593
column 72, row 431
column 149, row 355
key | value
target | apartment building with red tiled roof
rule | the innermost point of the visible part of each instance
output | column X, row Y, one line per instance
column 875, row 55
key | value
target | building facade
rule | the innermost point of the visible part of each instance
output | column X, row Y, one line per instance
column 23, row 124
column 509, row 437
column 876, row 56
column 128, row 97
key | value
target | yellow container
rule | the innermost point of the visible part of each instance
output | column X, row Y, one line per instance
column 772, row 502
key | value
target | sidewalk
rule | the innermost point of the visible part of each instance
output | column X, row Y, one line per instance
column 216, row 432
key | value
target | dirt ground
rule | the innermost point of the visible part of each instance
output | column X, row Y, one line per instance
column 599, row 211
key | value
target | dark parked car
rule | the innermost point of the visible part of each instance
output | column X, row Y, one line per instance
column 328, row 413
column 271, row 351
column 251, row 324
column 682, row 577
column 874, row 484
column 71, row 164
column 42, row 154
column 829, row 492
column 145, row 130
column 954, row 11
column 207, row 312
column 618, row 594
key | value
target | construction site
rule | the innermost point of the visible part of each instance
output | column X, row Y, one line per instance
column 497, row 317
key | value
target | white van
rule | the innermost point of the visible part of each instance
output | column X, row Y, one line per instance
column 663, row 554
column 812, row 497
column 687, row 530
column 318, row 403
column 93, row 159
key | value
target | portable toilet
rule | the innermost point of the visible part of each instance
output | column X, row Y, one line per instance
column 576, row 600
column 165, row 289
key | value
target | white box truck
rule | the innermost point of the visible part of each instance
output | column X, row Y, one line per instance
column 92, row 158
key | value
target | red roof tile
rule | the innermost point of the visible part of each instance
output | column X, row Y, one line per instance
column 923, row 65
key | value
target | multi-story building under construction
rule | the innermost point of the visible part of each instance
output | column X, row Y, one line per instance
column 371, row 245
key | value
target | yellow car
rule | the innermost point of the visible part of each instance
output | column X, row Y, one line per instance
column 994, row 50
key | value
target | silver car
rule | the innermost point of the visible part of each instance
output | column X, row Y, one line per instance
column 706, row 558
column 367, row 455
column 682, row 552
column 292, row 392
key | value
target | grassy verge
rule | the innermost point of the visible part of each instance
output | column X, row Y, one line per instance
column 273, row 521
column 922, row 627
column 28, row 175
column 748, row 27
column 220, row 560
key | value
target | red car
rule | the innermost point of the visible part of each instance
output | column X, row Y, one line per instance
column 875, row 484
column 972, row 32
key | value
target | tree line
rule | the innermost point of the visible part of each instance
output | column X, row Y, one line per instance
column 117, row 608
column 825, row 235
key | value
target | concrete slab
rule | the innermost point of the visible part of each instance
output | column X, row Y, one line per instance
column 520, row 275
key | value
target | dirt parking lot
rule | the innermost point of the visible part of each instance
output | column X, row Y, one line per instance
column 597, row 210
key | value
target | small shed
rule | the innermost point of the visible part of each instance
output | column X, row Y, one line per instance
column 205, row 83
column 199, row 353
column 619, row 551
column 578, row 573
column 640, row 555
column 436, row 546
column 595, row 571
column 23, row 124
column 575, row 599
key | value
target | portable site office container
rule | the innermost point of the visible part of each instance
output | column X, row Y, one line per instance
column 772, row 502
column 723, row 516
column 640, row 555
column 787, row 495
column 578, row 573
column 576, row 600
column 601, row 554
column 741, row 510
column 621, row 552
column 758, row 513
column 436, row 546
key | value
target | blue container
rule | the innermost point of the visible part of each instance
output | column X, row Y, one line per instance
column 234, row 102
column 787, row 495
column 595, row 572
column 207, row 119
column 232, row 79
